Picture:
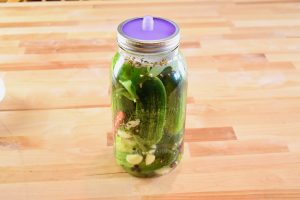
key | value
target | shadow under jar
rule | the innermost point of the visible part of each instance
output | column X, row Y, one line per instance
column 148, row 75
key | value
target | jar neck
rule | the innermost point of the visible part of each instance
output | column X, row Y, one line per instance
column 149, row 57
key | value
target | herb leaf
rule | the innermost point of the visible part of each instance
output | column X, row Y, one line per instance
column 130, row 88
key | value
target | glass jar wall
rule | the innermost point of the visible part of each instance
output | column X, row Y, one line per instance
column 148, row 103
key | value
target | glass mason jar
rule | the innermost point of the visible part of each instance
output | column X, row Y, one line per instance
column 148, row 102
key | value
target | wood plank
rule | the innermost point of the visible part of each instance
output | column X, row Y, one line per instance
column 240, row 195
column 237, row 148
column 209, row 134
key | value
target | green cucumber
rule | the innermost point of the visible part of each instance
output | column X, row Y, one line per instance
column 176, row 111
column 175, row 87
column 151, row 110
column 113, row 64
column 121, row 102
column 114, row 60
column 121, row 159
column 167, row 152
column 170, row 78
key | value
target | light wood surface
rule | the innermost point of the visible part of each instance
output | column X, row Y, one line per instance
column 243, row 112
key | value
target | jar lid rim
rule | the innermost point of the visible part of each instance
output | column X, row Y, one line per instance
column 148, row 46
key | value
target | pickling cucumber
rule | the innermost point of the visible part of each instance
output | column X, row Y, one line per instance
column 121, row 102
column 124, row 145
column 166, row 154
column 121, row 159
column 151, row 110
column 175, row 87
column 114, row 60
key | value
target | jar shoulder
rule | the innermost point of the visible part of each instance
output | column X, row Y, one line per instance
column 130, row 64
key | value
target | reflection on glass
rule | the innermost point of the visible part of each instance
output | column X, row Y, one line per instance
column 2, row 89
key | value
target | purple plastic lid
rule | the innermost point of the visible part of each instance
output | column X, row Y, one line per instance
column 148, row 34
column 148, row 28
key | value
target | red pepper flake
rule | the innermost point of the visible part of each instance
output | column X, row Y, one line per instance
column 120, row 116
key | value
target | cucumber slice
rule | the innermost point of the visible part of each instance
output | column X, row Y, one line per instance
column 151, row 110
column 175, row 87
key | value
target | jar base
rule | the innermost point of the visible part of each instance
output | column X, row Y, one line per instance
column 139, row 173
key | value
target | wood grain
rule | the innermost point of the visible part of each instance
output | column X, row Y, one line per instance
column 242, row 130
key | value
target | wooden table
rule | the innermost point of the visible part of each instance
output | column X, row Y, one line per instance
column 243, row 113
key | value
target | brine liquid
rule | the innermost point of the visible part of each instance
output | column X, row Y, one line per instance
column 148, row 101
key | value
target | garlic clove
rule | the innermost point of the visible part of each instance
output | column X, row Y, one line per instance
column 152, row 151
column 163, row 170
column 124, row 135
column 132, row 124
column 134, row 159
column 149, row 159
